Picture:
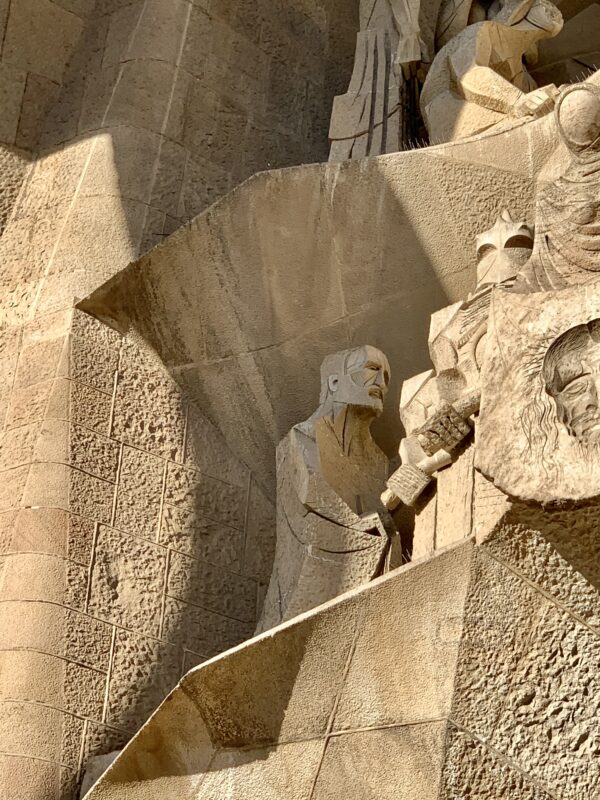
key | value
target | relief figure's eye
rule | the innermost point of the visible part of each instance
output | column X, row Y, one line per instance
column 577, row 386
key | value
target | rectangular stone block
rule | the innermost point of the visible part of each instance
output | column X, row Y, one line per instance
column 102, row 739
column 39, row 362
column 198, row 536
column 206, row 450
column 139, row 494
column 414, row 755
column 143, row 672
column 28, row 404
column 426, row 640
column 40, row 94
column 128, row 581
column 556, row 551
column 197, row 42
column 203, row 183
column 42, row 678
column 48, row 178
column 260, row 536
column 195, row 492
column 123, row 162
column 200, row 630
column 211, row 587
column 159, row 34
column 12, row 487
column 52, row 629
column 149, row 410
column 48, row 530
column 96, row 454
column 17, row 446
column 40, row 732
column 241, row 704
column 22, row 777
column 87, row 406
column 93, row 361
column 40, row 37
column 472, row 768
column 12, row 88
column 90, row 496
column 265, row 773
column 122, row 23
column 142, row 95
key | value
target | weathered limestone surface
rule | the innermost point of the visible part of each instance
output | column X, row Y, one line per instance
column 478, row 79
column 487, row 687
column 314, row 260
column 139, row 115
column 124, row 511
column 128, row 546
column 331, row 535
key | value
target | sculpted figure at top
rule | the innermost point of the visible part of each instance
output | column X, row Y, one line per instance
column 330, row 473
column 379, row 113
column 479, row 79
column 567, row 210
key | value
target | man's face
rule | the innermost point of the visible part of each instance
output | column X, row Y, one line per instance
column 576, row 391
column 366, row 381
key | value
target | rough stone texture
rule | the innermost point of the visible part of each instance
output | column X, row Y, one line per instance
column 98, row 592
column 488, row 689
column 140, row 115
column 269, row 311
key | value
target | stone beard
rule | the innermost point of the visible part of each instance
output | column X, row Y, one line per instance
column 330, row 473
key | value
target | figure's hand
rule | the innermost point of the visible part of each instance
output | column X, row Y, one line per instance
column 535, row 104
column 443, row 431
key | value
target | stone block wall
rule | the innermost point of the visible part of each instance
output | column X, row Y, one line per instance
column 473, row 674
column 133, row 545
column 165, row 105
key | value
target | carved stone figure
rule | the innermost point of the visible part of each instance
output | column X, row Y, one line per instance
column 436, row 405
column 539, row 427
column 567, row 212
column 571, row 373
column 379, row 113
column 330, row 472
column 478, row 78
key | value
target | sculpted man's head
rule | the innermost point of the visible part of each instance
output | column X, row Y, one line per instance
column 539, row 17
column 578, row 117
column 571, row 372
column 357, row 378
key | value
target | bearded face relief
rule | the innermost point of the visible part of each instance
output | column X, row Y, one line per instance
column 572, row 378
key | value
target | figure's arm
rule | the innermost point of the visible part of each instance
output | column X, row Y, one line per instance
column 320, row 498
column 481, row 85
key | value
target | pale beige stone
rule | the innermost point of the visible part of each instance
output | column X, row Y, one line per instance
column 378, row 114
column 566, row 250
column 543, row 448
column 330, row 536
column 478, row 79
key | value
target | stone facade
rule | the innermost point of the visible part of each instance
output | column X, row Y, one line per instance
column 145, row 113
column 128, row 544
column 145, row 393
